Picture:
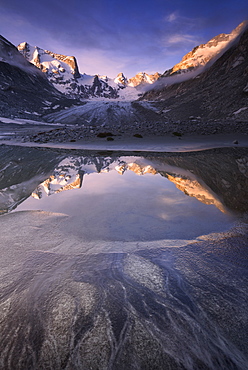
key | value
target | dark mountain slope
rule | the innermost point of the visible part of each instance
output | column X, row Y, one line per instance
column 221, row 92
column 25, row 91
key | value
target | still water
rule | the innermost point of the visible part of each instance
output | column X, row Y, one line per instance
column 130, row 200
column 112, row 261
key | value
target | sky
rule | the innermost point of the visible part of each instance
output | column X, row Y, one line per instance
column 112, row 36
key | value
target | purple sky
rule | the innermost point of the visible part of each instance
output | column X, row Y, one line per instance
column 112, row 36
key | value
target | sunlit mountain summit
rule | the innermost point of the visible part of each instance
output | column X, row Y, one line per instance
column 63, row 72
column 206, row 79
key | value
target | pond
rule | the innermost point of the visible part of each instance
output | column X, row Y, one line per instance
column 123, row 260
column 130, row 198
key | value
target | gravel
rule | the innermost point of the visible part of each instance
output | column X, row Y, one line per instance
column 75, row 133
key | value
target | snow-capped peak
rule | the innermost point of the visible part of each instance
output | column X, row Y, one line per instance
column 121, row 80
column 56, row 66
column 62, row 71
column 143, row 78
column 200, row 55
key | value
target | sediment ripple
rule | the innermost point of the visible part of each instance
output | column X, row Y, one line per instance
column 173, row 308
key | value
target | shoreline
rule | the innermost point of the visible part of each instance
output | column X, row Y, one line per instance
column 166, row 143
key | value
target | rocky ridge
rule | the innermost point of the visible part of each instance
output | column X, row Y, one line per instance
column 142, row 78
column 218, row 93
column 121, row 80
column 62, row 71
column 213, row 101
column 205, row 53
column 37, row 56
column 25, row 91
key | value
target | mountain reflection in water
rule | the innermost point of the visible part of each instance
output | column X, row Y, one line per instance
column 99, row 278
column 116, row 204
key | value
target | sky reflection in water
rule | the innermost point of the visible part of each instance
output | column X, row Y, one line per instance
column 128, row 207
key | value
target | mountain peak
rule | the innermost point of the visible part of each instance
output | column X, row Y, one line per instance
column 241, row 27
column 218, row 92
column 200, row 55
column 121, row 80
column 9, row 54
column 55, row 65
column 143, row 78
column 62, row 71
